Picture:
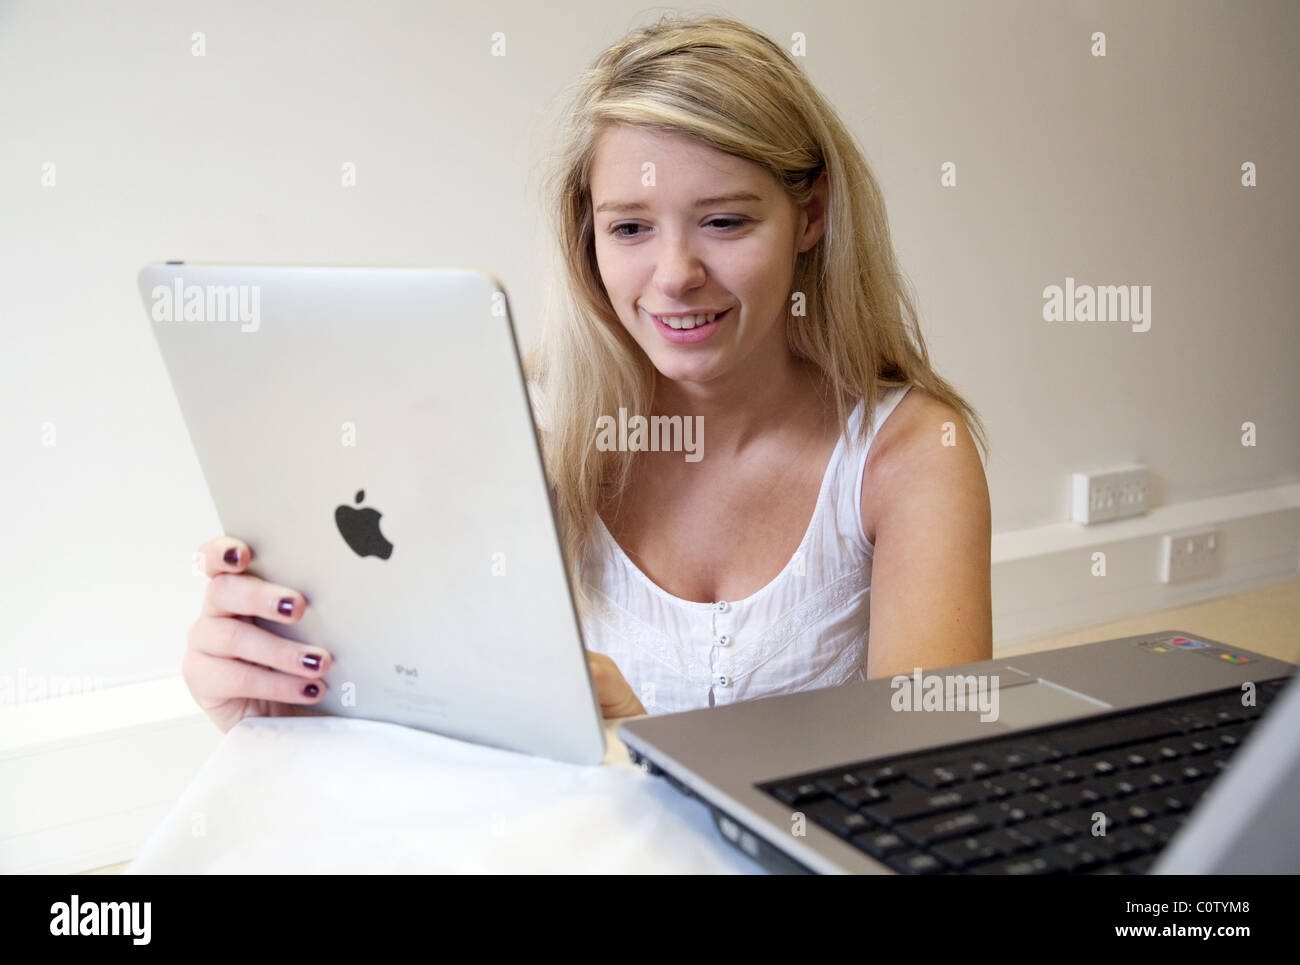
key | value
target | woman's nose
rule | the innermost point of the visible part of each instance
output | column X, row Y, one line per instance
column 679, row 268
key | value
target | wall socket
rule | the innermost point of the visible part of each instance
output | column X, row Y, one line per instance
column 1101, row 496
column 1189, row 556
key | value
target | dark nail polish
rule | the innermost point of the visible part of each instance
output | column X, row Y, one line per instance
column 286, row 606
column 311, row 661
column 232, row 556
column 311, row 690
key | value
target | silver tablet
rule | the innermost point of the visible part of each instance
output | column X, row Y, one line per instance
column 368, row 433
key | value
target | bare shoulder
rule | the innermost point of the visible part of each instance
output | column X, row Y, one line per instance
column 924, row 438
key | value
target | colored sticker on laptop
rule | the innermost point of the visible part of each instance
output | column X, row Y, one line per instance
column 1235, row 657
column 1154, row 646
column 1188, row 644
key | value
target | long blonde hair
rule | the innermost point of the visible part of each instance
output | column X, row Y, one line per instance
column 719, row 81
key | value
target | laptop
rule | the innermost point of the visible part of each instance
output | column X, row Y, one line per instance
column 1163, row 753
column 368, row 433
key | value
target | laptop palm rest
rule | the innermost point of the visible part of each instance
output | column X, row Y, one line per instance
column 1043, row 702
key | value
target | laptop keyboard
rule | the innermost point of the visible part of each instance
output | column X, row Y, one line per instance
column 1026, row 804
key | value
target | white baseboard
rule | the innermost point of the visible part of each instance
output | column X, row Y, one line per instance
column 1043, row 582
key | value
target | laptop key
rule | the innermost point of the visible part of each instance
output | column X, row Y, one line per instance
column 1077, row 795
column 1159, row 803
column 836, row 818
column 1169, row 749
column 879, row 844
column 1230, row 736
column 974, row 769
column 1007, row 757
column 916, row 863
column 1152, row 832
column 1120, row 786
column 855, row 797
column 935, row 777
column 1081, row 821
column 1037, row 864
column 835, row 783
column 989, row 789
column 1025, row 806
column 928, row 831
column 1101, row 765
column 998, row 843
column 1047, row 830
column 908, row 802
column 879, row 776
column 798, row 793
column 1073, row 856
column 961, row 853
column 1021, row 782
column 1065, row 772
column 1132, row 757
column 1118, row 845
column 1189, row 745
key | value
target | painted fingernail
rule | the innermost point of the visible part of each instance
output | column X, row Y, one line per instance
column 286, row 606
column 232, row 556
column 311, row 661
column 311, row 690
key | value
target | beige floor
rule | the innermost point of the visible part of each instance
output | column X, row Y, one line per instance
column 1265, row 620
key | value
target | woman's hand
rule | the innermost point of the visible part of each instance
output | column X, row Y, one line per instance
column 617, row 698
column 235, row 669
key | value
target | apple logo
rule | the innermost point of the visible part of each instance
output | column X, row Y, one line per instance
column 360, row 530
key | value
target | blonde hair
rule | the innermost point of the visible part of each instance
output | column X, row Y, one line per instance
column 727, row 85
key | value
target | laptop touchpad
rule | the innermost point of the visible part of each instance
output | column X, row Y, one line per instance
column 1036, row 704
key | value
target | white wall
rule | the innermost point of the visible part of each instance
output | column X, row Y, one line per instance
column 1114, row 170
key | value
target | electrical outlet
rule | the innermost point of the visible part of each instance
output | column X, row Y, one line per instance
column 1114, row 494
column 1189, row 556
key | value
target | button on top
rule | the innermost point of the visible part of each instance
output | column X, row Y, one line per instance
column 723, row 640
column 720, row 606
column 722, row 680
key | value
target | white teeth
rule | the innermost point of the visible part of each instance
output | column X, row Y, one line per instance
column 688, row 321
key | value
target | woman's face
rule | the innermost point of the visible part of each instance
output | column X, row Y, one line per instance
column 683, row 228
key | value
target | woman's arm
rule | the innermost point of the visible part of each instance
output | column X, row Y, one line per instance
column 931, row 602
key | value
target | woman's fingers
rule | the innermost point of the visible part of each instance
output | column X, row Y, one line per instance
column 241, row 594
column 224, row 637
column 225, row 554
column 213, row 678
column 617, row 699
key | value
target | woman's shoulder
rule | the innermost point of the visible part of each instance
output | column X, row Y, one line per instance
column 916, row 441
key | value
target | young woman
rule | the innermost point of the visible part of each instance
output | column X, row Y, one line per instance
column 725, row 259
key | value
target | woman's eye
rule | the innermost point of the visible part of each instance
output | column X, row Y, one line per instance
column 726, row 223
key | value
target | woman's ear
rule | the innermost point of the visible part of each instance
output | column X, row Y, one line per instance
column 813, row 213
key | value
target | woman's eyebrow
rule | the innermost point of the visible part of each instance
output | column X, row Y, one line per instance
column 701, row 203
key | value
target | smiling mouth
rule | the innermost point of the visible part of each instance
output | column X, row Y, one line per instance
column 686, row 323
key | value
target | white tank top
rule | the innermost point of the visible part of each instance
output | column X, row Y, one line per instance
column 806, row 629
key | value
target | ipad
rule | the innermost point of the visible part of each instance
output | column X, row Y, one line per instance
column 368, row 433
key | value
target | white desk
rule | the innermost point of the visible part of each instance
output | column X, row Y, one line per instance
column 337, row 795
